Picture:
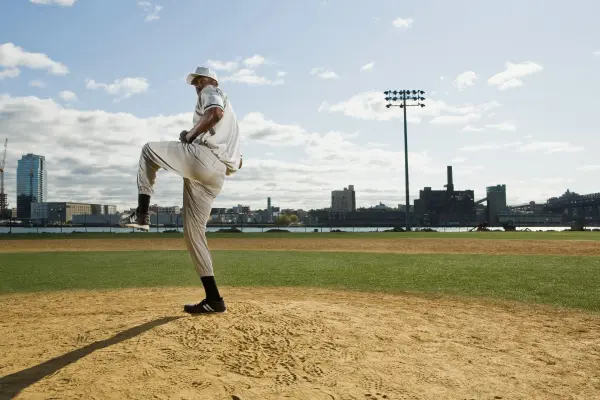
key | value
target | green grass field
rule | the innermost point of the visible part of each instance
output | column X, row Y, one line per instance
column 568, row 235
column 556, row 280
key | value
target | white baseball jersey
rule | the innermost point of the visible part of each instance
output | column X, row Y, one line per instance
column 223, row 138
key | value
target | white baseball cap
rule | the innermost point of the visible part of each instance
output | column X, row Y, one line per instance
column 201, row 71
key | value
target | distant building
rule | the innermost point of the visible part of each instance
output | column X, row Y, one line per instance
column 445, row 207
column 402, row 207
column 156, row 209
column 343, row 200
column 32, row 183
column 240, row 209
column 381, row 206
column 109, row 210
column 56, row 212
column 97, row 209
column 496, row 202
column 525, row 219
column 95, row 220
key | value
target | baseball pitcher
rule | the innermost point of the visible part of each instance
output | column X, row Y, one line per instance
column 203, row 156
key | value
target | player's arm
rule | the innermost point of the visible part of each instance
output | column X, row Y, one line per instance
column 213, row 108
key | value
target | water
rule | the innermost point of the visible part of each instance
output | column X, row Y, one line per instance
column 66, row 230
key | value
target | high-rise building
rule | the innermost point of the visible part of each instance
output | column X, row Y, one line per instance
column 4, row 210
column 496, row 202
column 343, row 200
column 269, row 210
column 32, row 183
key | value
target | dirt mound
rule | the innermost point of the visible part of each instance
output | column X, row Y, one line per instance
column 347, row 244
column 292, row 343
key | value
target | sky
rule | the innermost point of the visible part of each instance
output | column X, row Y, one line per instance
column 511, row 95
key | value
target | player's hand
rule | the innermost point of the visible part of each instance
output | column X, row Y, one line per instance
column 182, row 136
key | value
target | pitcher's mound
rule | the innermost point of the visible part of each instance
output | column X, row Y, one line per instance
column 294, row 344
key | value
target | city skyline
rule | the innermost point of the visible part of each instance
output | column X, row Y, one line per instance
column 340, row 200
column 312, row 118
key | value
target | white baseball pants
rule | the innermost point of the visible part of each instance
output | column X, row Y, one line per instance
column 203, row 178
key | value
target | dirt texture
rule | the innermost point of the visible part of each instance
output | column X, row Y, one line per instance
column 406, row 246
column 292, row 344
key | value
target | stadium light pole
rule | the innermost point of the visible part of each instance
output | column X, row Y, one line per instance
column 401, row 96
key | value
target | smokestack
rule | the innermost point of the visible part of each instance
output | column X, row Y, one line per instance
column 450, row 186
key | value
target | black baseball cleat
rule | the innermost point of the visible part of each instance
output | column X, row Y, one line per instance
column 137, row 220
column 206, row 307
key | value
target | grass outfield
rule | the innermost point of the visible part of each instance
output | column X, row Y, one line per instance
column 568, row 235
column 556, row 280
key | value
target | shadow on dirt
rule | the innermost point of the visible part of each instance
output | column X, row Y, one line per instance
column 12, row 385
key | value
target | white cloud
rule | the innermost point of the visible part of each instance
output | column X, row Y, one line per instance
column 38, row 84
column 249, row 76
column 510, row 77
column 222, row 65
column 542, row 147
column 76, row 143
column 551, row 147
column 80, row 168
column 256, row 127
column 372, row 106
column 513, row 83
column 442, row 78
column 120, row 88
column 471, row 128
column 12, row 56
column 490, row 146
column 403, row 23
column 368, row 67
column 597, row 53
column 366, row 106
column 67, row 95
column 504, row 126
column 465, row 79
column 463, row 170
column 324, row 73
column 589, row 168
column 152, row 10
column 244, row 71
column 62, row 3
column 254, row 61
column 9, row 73
column 455, row 119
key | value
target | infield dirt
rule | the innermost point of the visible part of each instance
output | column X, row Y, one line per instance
column 407, row 246
column 294, row 343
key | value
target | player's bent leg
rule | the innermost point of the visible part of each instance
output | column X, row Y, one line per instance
column 146, row 177
column 172, row 156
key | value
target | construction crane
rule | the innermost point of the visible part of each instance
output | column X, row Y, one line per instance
column 3, row 202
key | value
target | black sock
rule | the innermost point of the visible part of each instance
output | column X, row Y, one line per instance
column 143, row 203
column 210, row 287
